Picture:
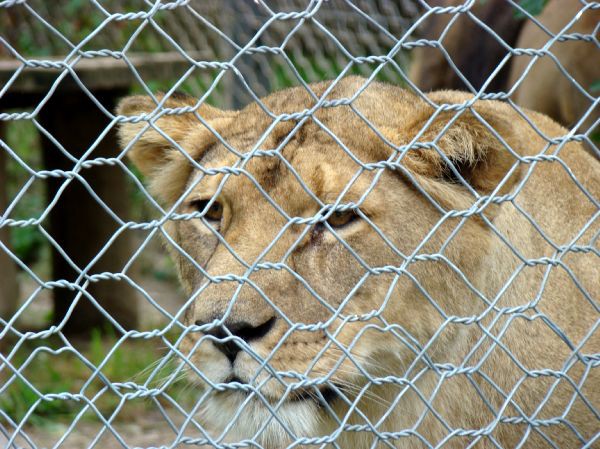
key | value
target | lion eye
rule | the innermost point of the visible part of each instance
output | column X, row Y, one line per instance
column 339, row 219
column 213, row 213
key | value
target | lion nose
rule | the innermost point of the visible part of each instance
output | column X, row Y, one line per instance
column 242, row 329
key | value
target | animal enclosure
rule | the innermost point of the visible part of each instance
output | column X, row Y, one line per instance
column 378, row 262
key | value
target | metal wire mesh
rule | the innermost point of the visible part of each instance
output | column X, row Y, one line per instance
column 435, row 341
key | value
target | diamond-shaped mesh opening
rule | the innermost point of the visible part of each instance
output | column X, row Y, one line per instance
column 275, row 224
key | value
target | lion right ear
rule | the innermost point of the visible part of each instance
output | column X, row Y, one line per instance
column 467, row 154
column 153, row 146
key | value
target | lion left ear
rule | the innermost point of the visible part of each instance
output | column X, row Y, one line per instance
column 150, row 149
column 467, row 152
column 162, row 151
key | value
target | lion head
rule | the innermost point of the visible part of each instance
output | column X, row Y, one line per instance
column 352, row 253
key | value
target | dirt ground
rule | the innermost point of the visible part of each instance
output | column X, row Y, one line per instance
column 148, row 431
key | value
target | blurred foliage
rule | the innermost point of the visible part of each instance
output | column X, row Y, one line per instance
column 67, row 23
column 317, row 68
column 533, row 7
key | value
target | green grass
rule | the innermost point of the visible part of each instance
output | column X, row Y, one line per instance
column 131, row 361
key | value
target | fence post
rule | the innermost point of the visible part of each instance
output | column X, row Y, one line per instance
column 9, row 291
column 79, row 224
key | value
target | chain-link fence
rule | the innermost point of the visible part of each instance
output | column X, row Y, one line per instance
column 358, row 259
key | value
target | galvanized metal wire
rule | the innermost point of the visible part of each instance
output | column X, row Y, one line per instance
column 234, row 51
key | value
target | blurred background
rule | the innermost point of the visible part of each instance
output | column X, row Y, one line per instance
column 79, row 271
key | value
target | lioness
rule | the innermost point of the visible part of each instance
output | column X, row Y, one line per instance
column 387, row 272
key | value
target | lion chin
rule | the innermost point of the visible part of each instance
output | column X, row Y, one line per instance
column 238, row 416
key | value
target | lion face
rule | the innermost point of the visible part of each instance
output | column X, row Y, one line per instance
column 316, row 250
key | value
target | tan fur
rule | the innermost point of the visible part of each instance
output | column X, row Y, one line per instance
column 431, row 315
column 476, row 54
column 546, row 88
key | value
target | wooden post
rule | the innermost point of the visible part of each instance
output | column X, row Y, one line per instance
column 9, row 292
column 78, row 223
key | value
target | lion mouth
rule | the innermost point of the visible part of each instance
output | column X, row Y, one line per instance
column 320, row 396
